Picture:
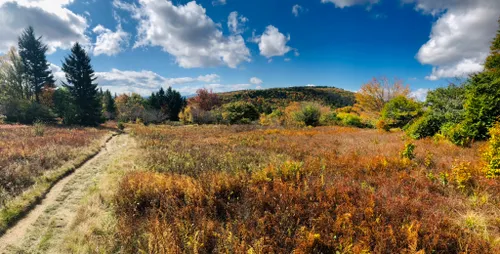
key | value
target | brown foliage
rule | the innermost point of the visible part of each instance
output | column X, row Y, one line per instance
column 232, row 189
column 375, row 94
column 205, row 100
column 25, row 156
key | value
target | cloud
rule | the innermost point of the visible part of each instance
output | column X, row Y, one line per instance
column 256, row 81
column 235, row 23
column 59, row 26
column 219, row 2
column 187, row 33
column 349, row 3
column 145, row 82
column 420, row 94
column 310, row 85
column 272, row 42
column 109, row 42
column 297, row 9
column 460, row 38
column 218, row 88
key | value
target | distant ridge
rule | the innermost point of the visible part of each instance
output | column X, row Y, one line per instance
column 276, row 97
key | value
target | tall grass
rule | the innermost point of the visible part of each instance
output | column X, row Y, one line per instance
column 238, row 189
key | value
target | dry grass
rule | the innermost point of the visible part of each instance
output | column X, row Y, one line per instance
column 25, row 154
column 244, row 189
column 33, row 158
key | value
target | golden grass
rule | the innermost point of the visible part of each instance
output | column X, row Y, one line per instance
column 248, row 189
column 30, row 164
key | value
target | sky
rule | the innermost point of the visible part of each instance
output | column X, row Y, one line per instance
column 225, row 45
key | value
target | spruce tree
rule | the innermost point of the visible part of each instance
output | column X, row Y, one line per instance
column 80, row 83
column 492, row 63
column 108, row 104
column 36, row 68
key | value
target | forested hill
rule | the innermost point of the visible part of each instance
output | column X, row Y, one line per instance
column 275, row 97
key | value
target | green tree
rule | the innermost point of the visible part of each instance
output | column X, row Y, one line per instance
column 175, row 104
column 240, row 113
column 447, row 103
column 400, row 111
column 108, row 105
column 80, row 83
column 482, row 104
column 36, row 68
column 12, row 82
column 492, row 63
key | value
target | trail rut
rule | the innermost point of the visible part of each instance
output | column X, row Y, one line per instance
column 46, row 223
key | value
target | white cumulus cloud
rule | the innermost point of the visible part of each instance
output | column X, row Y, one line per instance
column 187, row 33
column 236, row 23
column 59, row 26
column 272, row 42
column 460, row 38
column 256, row 81
column 420, row 94
column 109, row 42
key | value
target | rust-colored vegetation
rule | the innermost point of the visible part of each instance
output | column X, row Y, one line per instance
column 248, row 189
column 27, row 152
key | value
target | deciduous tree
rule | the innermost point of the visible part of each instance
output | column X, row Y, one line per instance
column 375, row 94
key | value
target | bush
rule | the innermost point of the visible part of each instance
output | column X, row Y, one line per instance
column 194, row 115
column 275, row 118
column 329, row 118
column 26, row 112
column 408, row 151
column 492, row 154
column 400, row 111
column 351, row 120
column 426, row 126
column 38, row 128
column 120, row 126
column 458, row 134
column 308, row 115
column 240, row 113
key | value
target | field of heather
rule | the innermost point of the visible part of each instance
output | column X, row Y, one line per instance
column 249, row 189
column 27, row 152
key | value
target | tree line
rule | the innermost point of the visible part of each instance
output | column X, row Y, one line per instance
column 28, row 92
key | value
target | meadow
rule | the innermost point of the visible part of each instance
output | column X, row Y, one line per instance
column 253, row 189
column 33, row 158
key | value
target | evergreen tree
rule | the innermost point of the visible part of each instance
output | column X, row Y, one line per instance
column 36, row 68
column 108, row 105
column 493, row 61
column 80, row 83
column 175, row 104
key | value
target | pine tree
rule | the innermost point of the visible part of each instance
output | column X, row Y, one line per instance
column 493, row 61
column 80, row 83
column 175, row 103
column 37, row 72
column 108, row 105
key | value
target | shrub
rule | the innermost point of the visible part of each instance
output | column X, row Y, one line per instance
column 400, row 111
column 462, row 173
column 408, row 151
column 425, row 126
column 351, row 120
column 329, row 118
column 308, row 114
column 38, row 128
column 381, row 124
column 276, row 118
column 458, row 134
column 240, row 113
column 194, row 115
column 27, row 112
column 492, row 154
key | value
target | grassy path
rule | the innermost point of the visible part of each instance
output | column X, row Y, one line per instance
column 46, row 225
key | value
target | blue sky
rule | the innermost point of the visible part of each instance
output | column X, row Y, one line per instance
column 141, row 45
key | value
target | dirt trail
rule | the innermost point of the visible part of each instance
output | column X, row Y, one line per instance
column 46, row 223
